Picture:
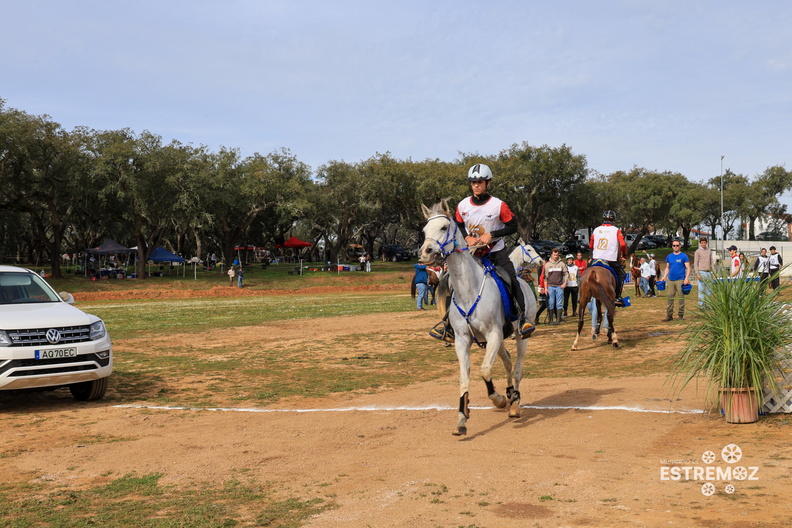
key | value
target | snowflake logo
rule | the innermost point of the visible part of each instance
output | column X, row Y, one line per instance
column 731, row 453
column 708, row 489
column 708, row 457
column 740, row 473
column 729, row 489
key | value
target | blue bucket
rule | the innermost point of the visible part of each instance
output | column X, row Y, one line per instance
column 686, row 288
column 626, row 301
column 660, row 285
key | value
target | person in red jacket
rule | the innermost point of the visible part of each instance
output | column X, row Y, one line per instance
column 581, row 263
column 608, row 244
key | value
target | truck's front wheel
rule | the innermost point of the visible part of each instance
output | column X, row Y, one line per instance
column 89, row 390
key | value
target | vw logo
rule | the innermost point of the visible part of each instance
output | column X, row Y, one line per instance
column 53, row 336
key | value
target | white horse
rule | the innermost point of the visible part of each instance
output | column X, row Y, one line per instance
column 525, row 255
column 476, row 312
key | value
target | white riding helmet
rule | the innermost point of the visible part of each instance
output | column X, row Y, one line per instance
column 479, row 172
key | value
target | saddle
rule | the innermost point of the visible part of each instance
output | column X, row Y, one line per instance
column 505, row 287
column 604, row 264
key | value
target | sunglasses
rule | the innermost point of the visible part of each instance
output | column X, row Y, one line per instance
column 676, row 245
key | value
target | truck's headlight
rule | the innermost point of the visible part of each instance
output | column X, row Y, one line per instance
column 5, row 341
column 98, row 330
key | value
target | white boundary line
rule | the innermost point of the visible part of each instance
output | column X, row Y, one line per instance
column 406, row 408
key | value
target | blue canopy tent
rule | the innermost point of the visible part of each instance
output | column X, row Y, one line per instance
column 160, row 254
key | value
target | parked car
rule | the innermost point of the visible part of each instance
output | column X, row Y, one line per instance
column 46, row 342
column 545, row 247
column 659, row 240
column 574, row 245
column 644, row 243
column 394, row 253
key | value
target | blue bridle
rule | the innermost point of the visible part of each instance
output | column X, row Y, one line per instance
column 450, row 236
column 527, row 254
column 488, row 268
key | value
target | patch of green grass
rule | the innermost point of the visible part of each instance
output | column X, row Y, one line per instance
column 131, row 319
column 142, row 501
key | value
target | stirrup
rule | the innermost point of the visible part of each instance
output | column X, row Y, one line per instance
column 526, row 329
column 443, row 332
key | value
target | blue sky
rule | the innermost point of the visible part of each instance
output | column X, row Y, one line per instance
column 662, row 85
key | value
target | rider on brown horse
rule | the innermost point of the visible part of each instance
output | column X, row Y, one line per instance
column 608, row 244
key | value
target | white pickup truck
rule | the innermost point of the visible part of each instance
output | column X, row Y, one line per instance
column 47, row 342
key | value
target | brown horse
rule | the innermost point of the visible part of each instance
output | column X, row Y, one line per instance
column 598, row 283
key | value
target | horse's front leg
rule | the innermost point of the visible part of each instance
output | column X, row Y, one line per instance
column 514, row 394
column 462, row 345
column 494, row 343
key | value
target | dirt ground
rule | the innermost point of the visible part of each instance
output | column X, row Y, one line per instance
column 585, row 452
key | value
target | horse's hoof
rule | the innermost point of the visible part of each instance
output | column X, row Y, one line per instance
column 514, row 412
column 460, row 431
column 499, row 400
column 594, row 337
column 615, row 345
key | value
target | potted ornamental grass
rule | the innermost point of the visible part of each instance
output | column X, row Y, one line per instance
column 737, row 342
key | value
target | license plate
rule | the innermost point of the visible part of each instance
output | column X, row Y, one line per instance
column 55, row 353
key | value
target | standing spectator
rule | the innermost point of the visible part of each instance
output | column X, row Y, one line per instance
column 542, row 293
column 677, row 274
column 362, row 260
column 702, row 266
column 743, row 265
column 368, row 263
column 762, row 266
column 607, row 243
column 774, row 266
column 421, row 278
column 734, row 271
column 646, row 272
column 525, row 274
column 581, row 264
column 240, row 274
column 592, row 307
column 571, row 289
column 555, row 272
column 653, row 277
column 231, row 275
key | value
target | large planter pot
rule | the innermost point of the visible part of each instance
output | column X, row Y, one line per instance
column 740, row 405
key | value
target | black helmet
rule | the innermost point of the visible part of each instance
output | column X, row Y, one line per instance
column 609, row 216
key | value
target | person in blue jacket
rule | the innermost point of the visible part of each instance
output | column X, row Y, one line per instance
column 421, row 280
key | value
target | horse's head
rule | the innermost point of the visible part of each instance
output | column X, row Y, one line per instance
column 525, row 255
column 440, row 232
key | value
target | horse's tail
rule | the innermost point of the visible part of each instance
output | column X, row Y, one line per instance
column 442, row 295
column 413, row 288
column 608, row 300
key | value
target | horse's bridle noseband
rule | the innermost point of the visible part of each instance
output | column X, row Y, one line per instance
column 450, row 236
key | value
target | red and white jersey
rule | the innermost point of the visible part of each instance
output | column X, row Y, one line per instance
column 735, row 266
column 606, row 241
column 486, row 218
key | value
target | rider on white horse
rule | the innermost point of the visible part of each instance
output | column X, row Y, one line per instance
column 608, row 244
column 484, row 220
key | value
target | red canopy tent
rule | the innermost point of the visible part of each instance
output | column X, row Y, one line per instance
column 294, row 242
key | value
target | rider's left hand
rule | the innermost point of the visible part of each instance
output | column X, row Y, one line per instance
column 485, row 239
